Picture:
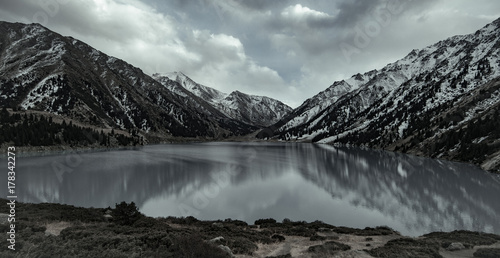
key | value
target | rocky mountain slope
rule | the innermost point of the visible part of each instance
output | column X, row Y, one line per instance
column 254, row 110
column 42, row 70
column 386, row 108
column 465, row 129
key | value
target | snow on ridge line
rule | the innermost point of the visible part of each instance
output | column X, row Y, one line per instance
column 33, row 96
column 444, row 58
column 252, row 109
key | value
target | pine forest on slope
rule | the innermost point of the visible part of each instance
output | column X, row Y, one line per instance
column 44, row 71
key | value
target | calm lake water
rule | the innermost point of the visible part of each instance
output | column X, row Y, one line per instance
column 341, row 186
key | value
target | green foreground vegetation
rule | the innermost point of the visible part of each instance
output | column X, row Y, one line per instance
column 123, row 231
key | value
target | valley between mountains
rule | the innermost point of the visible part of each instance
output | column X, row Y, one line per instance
column 441, row 101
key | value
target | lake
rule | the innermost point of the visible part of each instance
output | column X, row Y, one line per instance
column 342, row 186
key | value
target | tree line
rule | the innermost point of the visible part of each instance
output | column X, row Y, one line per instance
column 31, row 130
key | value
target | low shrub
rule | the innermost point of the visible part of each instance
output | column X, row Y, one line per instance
column 265, row 221
column 193, row 246
column 328, row 248
column 317, row 238
column 126, row 214
column 278, row 238
column 487, row 253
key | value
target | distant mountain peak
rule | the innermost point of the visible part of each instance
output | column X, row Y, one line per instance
column 380, row 107
column 173, row 75
column 254, row 110
column 47, row 72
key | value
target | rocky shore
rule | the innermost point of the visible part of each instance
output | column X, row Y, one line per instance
column 56, row 230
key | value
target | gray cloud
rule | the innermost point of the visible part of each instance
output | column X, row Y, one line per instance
column 261, row 5
column 286, row 49
column 354, row 11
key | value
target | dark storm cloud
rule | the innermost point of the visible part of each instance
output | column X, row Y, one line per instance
column 351, row 12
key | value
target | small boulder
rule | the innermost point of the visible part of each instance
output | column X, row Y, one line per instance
column 216, row 239
column 226, row 249
column 455, row 247
column 108, row 217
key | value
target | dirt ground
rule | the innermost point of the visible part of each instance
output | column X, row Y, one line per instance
column 298, row 246
column 56, row 230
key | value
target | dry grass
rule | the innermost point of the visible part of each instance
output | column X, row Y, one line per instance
column 55, row 228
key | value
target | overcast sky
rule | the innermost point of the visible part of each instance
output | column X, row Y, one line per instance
column 286, row 49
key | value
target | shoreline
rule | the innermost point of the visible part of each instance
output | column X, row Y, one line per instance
column 64, row 230
column 418, row 154
column 65, row 149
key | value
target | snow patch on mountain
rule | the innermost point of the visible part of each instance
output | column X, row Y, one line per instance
column 387, row 100
column 41, row 91
column 254, row 110
column 45, row 71
column 208, row 94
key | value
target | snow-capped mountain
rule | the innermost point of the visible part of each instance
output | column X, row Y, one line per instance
column 383, row 107
column 42, row 70
column 254, row 110
column 206, row 93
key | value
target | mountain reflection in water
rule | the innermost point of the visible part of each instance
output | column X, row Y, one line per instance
column 339, row 185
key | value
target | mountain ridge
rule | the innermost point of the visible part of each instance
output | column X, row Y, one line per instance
column 45, row 71
column 408, row 105
column 255, row 110
column 381, row 107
